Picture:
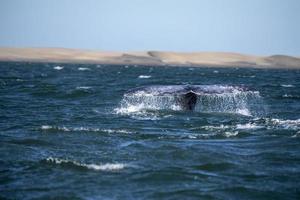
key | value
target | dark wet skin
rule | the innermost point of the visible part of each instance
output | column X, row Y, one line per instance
column 189, row 101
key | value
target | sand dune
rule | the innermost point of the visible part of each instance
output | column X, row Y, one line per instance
column 155, row 58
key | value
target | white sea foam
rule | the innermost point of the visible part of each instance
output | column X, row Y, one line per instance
column 117, row 131
column 213, row 128
column 287, row 85
column 88, row 129
column 83, row 69
column 287, row 124
column 230, row 133
column 97, row 167
column 83, row 87
column 58, row 67
column 144, row 76
column 248, row 126
column 46, row 127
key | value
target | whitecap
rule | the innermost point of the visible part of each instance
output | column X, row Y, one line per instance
column 230, row 134
column 88, row 129
column 117, row 131
column 144, row 76
column 83, row 87
column 68, row 129
column 58, row 67
column 212, row 128
column 287, row 85
column 290, row 96
column 248, row 126
column 46, row 127
column 286, row 124
column 83, row 69
column 97, row 167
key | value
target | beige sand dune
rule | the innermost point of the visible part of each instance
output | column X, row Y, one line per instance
column 153, row 58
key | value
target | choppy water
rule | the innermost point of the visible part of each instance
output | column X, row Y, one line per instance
column 67, row 131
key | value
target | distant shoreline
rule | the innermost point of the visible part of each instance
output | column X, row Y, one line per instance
column 147, row 58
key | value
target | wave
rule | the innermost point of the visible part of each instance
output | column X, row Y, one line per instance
column 289, row 96
column 83, row 87
column 83, row 69
column 97, row 167
column 144, row 76
column 285, row 124
column 248, row 126
column 80, row 129
column 287, row 85
column 58, row 67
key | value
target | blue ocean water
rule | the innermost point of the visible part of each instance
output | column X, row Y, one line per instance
column 67, row 131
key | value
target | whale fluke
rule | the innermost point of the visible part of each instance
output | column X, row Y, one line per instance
column 185, row 95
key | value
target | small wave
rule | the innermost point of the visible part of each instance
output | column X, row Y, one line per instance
column 88, row 129
column 144, row 76
column 296, row 135
column 68, row 129
column 213, row 128
column 287, row 85
column 83, row 87
column 83, row 69
column 211, row 135
column 248, row 126
column 286, row 124
column 222, row 130
column 58, row 67
column 289, row 96
column 117, row 131
column 97, row 167
column 230, row 133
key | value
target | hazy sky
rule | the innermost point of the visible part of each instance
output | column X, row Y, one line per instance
column 246, row 26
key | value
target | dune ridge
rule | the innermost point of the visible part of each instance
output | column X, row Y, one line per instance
column 152, row 58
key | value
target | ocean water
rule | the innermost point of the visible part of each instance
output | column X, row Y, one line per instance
column 69, row 131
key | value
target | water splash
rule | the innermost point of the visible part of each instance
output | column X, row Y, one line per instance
column 214, row 99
